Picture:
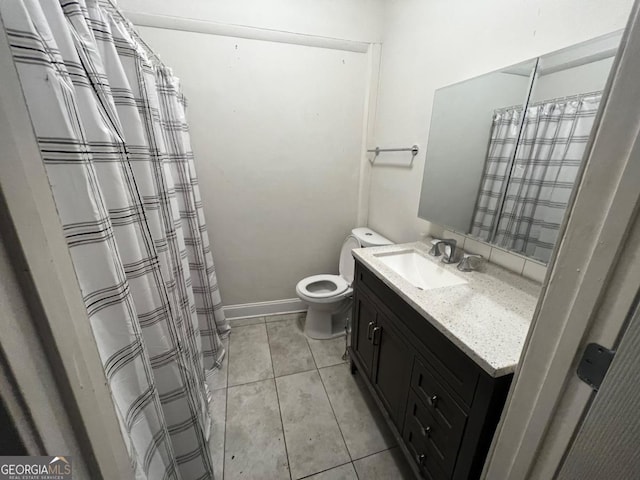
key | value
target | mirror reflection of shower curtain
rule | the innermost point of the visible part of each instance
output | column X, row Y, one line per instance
column 502, row 143
column 549, row 156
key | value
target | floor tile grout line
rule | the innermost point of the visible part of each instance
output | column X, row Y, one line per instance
column 249, row 383
column 226, row 409
column 326, row 470
column 312, row 356
column 335, row 416
column 334, row 412
column 355, row 470
column 374, row 453
column 298, row 335
column 330, row 404
column 224, row 441
column 295, row 373
column 275, row 384
column 259, row 379
column 332, row 365
column 353, row 460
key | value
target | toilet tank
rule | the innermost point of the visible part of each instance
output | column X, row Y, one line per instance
column 369, row 238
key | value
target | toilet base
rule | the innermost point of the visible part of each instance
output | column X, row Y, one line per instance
column 323, row 324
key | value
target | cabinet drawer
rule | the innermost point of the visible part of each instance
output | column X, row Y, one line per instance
column 417, row 446
column 450, row 418
column 441, row 440
column 452, row 365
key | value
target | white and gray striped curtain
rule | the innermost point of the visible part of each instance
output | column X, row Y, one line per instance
column 547, row 160
column 114, row 140
column 502, row 144
column 549, row 156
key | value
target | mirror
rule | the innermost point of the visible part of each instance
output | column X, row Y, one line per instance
column 458, row 139
column 505, row 148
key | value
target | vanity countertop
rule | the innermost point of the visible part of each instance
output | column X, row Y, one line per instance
column 487, row 318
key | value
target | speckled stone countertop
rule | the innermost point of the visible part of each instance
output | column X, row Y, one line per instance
column 487, row 318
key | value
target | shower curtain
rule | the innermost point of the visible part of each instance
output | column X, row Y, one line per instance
column 547, row 161
column 502, row 144
column 553, row 141
column 111, row 127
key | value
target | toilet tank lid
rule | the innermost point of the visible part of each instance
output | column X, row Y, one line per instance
column 369, row 238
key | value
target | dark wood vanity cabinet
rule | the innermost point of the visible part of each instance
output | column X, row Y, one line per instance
column 392, row 368
column 441, row 406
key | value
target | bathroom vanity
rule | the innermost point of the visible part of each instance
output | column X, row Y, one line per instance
column 438, row 359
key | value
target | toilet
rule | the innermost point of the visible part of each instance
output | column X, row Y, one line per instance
column 328, row 297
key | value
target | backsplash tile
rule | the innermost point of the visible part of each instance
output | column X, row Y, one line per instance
column 534, row 271
column 511, row 262
column 456, row 236
column 477, row 248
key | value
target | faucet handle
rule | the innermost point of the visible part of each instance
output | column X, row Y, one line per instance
column 449, row 242
column 470, row 262
column 451, row 252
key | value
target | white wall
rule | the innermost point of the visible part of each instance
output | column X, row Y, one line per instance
column 276, row 131
column 280, row 205
column 430, row 44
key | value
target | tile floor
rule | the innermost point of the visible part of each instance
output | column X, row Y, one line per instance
column 287, row 407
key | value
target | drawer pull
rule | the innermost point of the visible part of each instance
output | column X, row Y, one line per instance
column 371, row 325
column 425, row 431
column 433, row 401
column 420, row 458
column 376, row 340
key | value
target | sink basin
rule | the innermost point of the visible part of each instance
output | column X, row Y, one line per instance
column 419, row 271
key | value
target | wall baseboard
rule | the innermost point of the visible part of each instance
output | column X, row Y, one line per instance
column 274, row 307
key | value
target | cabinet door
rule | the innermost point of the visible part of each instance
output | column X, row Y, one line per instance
column 365, row 320
column 392, row 370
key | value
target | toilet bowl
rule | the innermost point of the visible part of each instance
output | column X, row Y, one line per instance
column 328, row 297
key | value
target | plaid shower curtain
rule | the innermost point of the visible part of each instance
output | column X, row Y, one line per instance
column 549, row 156
column 502, row 144
column 547, row 161
column 114, row 140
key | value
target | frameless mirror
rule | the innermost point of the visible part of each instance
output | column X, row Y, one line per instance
column 505, row 174
column 458, row 138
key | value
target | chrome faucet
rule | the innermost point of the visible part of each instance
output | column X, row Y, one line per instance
column 435, row 250
column 470, row 262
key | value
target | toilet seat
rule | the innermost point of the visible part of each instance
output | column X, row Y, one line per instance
column 322, row 286
column 330, row 288
column 328, row 298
